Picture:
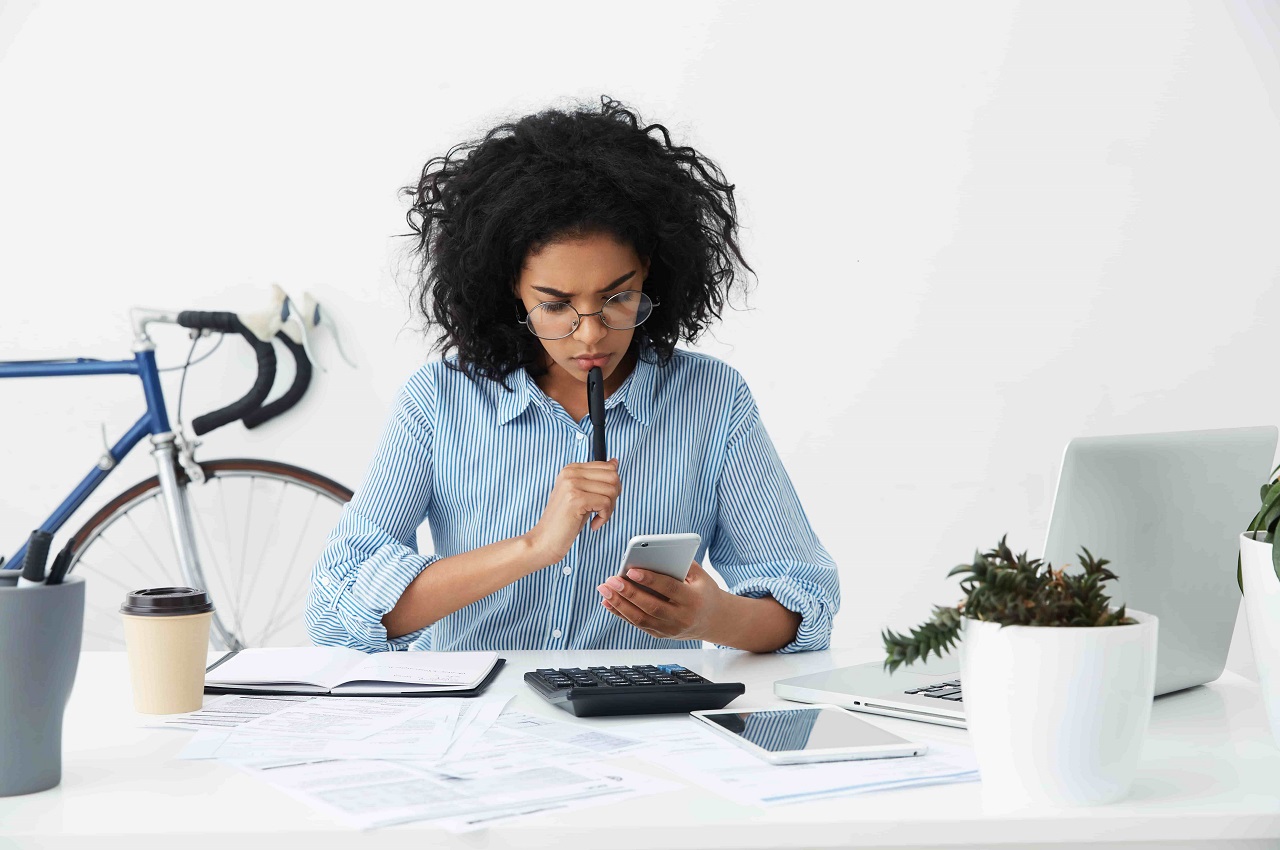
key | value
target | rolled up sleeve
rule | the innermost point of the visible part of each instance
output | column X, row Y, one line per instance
column 371, row 555
column 764, row 544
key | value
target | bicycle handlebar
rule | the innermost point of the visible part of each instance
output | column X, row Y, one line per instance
column 301, row 380
column 230, row 323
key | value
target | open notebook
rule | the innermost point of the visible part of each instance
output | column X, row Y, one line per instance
column 341, row 671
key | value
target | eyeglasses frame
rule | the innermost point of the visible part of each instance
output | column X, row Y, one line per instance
column 581, row 316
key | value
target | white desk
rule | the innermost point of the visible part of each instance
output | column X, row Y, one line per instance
column 1209, row 776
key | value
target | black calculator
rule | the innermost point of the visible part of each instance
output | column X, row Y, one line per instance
column 638, row 689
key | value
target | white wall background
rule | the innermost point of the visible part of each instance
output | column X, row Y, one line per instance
column 979, row 229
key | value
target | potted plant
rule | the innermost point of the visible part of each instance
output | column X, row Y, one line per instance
column 1258, row 573
column 1057, row 684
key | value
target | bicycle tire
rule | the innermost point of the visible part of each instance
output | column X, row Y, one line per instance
column 227, row 601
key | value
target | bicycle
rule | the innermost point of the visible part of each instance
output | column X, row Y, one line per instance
column 190, row 504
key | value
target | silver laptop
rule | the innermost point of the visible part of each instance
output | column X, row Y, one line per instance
column 1166, row 510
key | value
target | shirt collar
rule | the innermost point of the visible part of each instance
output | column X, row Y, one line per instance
column 637, row 391
column 635, row 394
column 512, row 404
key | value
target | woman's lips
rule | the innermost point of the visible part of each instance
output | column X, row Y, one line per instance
column 586, row 364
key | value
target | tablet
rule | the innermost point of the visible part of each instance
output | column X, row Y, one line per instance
column 809, row 734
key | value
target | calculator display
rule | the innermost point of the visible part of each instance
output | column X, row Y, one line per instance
column 803, row 729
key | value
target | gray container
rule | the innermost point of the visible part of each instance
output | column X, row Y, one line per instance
column 40, row 629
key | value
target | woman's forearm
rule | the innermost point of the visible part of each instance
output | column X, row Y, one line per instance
column 453, row 583
column 754, row 624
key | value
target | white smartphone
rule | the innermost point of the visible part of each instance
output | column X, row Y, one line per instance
column 669, row 554
column 809, row 734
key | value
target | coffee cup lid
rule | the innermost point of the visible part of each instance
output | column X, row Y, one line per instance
column 170, row 601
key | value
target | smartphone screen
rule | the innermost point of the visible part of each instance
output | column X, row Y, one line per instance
column 803, row 729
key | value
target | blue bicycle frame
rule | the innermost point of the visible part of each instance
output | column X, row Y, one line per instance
column 155, row 422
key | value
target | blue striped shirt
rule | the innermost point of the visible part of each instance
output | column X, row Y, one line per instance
column 478, row 463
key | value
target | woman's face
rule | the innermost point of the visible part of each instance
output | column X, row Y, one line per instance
column 583, row 273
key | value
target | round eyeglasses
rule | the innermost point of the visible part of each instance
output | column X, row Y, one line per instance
column 557, row 319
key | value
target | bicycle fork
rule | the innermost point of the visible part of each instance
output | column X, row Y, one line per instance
column 184, row 540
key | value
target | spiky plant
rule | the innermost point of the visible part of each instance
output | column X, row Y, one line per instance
column 1012, row 591
column 1266, row 521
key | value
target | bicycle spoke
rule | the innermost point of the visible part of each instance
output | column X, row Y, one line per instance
column 284, row 577
column 143, row 538
column 262, row 550
column 107, row 576
column 217, row 596
column 116, row 549
column 244, row 554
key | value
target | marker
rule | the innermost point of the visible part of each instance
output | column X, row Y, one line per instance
column 37, row 555
column 61, row 563
column 595, row 403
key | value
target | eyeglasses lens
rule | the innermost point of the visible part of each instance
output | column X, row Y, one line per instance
column 556, row 320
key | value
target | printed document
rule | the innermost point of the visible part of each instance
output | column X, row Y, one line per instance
column 699, row 756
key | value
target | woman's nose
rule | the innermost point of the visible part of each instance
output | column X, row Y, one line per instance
column 591, row 329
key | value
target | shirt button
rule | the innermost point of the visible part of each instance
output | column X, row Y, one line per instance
column 555, row 633
column 567, row 570
column 581, row 436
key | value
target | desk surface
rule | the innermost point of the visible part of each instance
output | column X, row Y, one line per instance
column 1209, row 775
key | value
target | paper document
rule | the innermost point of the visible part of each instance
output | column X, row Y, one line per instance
column 423, row 736
column 367, row 794
column 337, row 718
column 230, row 712
column 701, row 757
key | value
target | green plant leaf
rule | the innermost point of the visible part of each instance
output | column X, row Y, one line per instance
column 1275, row 559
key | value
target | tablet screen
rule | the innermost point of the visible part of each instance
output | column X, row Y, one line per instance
column 802, row 729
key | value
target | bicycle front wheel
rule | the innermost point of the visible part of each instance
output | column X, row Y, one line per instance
column 259, row 527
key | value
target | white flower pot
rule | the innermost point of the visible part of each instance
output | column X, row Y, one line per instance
column 1262, row 609
column 1057, row 715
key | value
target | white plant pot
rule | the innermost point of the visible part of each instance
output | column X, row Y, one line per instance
column 1057, row 715
column 1262, row 609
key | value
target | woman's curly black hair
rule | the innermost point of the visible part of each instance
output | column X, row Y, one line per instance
column 481, row 209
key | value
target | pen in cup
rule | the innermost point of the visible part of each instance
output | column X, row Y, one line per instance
column 37, row 555
column 61, row 563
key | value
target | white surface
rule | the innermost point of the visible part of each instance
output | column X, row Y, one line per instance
column 1207, row 775
column 979, row 229
column 1058, row 715
column 1262, row 608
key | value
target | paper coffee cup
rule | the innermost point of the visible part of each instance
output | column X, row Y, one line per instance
column 166, row 635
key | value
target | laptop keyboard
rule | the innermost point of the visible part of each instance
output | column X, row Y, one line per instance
column 942, row 690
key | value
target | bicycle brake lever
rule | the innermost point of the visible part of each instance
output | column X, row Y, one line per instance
column 291, row 316
column 315, row 316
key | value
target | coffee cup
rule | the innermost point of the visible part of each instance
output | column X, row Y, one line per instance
column 166, row 636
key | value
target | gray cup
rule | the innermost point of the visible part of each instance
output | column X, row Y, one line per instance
column 40, row 629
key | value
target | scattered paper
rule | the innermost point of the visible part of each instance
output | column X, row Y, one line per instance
column 720, row 766
column 368, row 794
column 425, row 736
column 478, row 715
column 229, row 712
column 337, row 718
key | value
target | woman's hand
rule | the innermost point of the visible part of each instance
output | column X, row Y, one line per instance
column 683, row 610
column 580, row 490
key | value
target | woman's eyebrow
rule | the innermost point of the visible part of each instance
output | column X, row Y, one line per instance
column 555, row 293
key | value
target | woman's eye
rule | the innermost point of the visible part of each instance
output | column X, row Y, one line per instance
column 556, row 306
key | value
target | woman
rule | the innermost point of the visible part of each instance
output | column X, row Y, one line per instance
column 558, row 243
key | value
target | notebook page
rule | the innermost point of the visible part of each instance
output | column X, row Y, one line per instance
column 322, row 666
column 417, row 667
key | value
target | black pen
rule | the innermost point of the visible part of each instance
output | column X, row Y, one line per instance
column 34, row 561
column 61, row 563
column 595, row 404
